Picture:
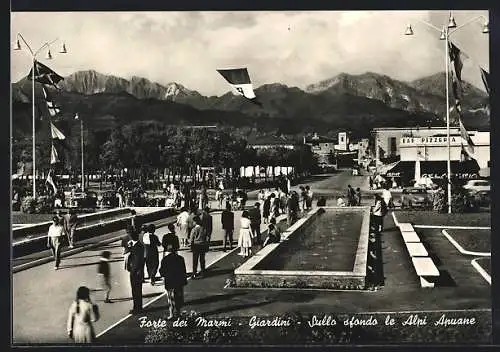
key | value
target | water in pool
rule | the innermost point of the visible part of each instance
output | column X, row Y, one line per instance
column 328, row 243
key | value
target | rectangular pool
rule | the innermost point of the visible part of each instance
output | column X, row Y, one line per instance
column 326, row 249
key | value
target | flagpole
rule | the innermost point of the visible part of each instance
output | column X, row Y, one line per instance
column 81, row 138
column 34, row 122
column 448, row 163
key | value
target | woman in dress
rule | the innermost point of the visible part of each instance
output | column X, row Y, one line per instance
column 82, row 313
column 182, row 224
column 151, row 244
column 245, row 238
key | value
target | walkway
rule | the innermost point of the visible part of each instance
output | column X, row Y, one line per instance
column 41, row 296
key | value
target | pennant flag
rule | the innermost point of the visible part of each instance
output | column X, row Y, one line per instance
column 456, row 88
column 486, row 79
column 45, row 75
column 54, row 156
column 51, row 182
column 56, row 133
column 239, row 80
column 51, row 106
column 464, row 154
column 466, row 137
column 456, row 59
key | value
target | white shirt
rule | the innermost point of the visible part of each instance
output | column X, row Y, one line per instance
column 386, row 195
column 146, row 239
column 183, row 217
column 55, row 230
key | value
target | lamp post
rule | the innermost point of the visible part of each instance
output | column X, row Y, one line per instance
column 77, row 117
column 33, row 55
column 446, row 31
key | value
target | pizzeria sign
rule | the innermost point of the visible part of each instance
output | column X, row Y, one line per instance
column 409, row 141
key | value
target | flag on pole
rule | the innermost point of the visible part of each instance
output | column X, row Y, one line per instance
column 51, row 182
column 56, row 133
column 54, row 156
column 486, row 79
column 51, row 106
column 239, row 80
column 456, row 59
column 466, row 137
column 45, row 75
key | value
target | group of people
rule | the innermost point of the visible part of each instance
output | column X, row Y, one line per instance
column 61, row 230
column 353, row 198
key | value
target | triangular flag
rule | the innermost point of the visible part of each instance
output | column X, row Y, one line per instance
column 456, row 59
column 466, row 137
column 56, row 133
column 486, row 79
column 51, row 106
column 50, row 181
column 239, row 80
column 45, row 75
column 54, row 156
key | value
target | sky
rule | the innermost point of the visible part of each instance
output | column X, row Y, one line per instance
column 292, row 48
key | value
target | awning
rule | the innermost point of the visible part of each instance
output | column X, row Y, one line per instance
column 435, row 169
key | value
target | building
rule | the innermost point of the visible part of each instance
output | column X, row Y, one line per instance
column 322, row 146
column 429, row 146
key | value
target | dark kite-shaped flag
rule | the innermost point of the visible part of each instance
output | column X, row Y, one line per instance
column 45, row 75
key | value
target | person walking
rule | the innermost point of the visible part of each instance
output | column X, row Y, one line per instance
column 245, row 237
column 135, row 266
column 170, row 238
column 81, row 316
column 350, row 196
column 370, row 181
column 387, row 196
column 303, row 197
column 255, row 221
column 292, row 208
column 173, row 271
column 275, row 211
column 309, row 198
column 191, row 222
column 54, row 240
column 207, row 224
column 199, row 246
column 104, row 274
column 266, row 209
column 183, row 226
column 227, row 220
column 358, row 196
column 72, row 224
column 378, row 212
column 151, row 243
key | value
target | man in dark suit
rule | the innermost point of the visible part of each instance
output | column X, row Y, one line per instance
column 173, row 270
column 170, row 238
column 255, row 220
column 207, row 224
column 135, row 266
column 227, row 219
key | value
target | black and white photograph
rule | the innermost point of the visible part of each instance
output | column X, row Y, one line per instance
column 250, row 178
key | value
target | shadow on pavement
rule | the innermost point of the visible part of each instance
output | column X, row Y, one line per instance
column 228, row 309
column 86, row 264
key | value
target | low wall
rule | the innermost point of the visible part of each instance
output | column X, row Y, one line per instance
column 247, row 276
column 39, row 242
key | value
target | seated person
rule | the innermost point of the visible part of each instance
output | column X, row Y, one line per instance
column 341, row 202
column 274, row 235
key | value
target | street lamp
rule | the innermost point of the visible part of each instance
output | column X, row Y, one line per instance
column 33, row 54
column 77, row 117
column 446, row 31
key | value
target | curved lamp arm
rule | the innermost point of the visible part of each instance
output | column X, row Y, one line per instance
column 467, row 23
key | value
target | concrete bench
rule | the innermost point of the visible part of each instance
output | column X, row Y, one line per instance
column 410, row 236
column 405, row 227
column 426, row 270
column 416, row 249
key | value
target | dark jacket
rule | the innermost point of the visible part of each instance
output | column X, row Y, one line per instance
column 135, row 263
column 207, row 224
column 173, row 269
column 170, row 238
column 151, row 250
column 255, row 217
column 198, row 235
column 267, row 207
column 73, row 220
column 227, row 219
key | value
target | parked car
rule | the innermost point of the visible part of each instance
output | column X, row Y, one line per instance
column 415, row 197
column 474, row 186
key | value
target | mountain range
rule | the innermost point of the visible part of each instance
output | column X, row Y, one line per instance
column 354, row 102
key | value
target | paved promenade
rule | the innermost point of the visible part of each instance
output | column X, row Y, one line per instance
column 42, row 296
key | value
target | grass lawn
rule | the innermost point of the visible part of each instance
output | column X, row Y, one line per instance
column 439, row 219
column 485, row 264
column 472, row 240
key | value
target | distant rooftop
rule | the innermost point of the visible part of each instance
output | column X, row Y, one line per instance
column 272, row 140
column 315, row 138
